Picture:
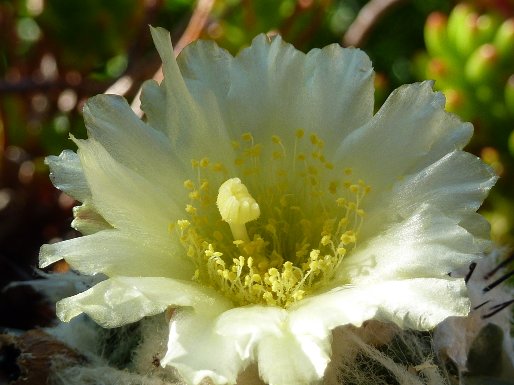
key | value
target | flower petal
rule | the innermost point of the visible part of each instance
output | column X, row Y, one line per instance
column 245, row 326
column 230, row 340
column 419, row 303
column 113, row 252
column 412, row 122
column 427, row 244
column 87, row 220
column 283, row 357
column 112, row 123
column 458, row 182
column 127, row 200
column 67, row 175
column 197, row 351
column 271, row 88
column 152, row 103
column 293, row 359
column 121, row 300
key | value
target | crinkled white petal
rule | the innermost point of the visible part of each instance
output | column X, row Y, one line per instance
column 113, row 252
column 456, row 183
column 87, row 220
column 220, row 347
column 409, row 132
column 417, row 303
column 455, row 186
column 476, row 224
column 130, row 141
column 189, row 115
column 67, row 175
column 427, row 244
column 264, row 333
column 245, row 326
column 121, row 300
column 292, row 359
column 197, row 351
column 126, row 200
column 272, row 88
column 152, row 103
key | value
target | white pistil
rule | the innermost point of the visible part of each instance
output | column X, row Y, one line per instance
column 237, row 207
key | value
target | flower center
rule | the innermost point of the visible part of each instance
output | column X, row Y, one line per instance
column 285, row 243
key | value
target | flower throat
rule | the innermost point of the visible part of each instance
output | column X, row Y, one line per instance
column 279, row 230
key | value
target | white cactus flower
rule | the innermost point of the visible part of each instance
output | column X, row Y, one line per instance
column 262, row 200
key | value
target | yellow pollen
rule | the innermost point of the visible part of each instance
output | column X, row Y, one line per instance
column 287, row 246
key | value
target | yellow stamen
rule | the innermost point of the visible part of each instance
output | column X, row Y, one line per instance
column 288, row 245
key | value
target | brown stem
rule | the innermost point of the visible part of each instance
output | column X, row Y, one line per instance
column 367, row 18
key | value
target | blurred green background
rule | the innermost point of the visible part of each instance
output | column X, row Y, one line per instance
column 54, row 54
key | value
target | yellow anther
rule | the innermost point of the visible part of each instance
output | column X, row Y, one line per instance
column 277, row 155
column 194, row 195
column 299, row 133
column 183, row 224
column 247, row 137
column 218, row 167
column 204, row 162
column 354, row 188
column 194, row 163
column 325, row 240
column 348, row 237
column 190, row 209
column 276, row 139
column 189, row 184
column 341, row 202
column 332, row 187
column 314, row 139
column 348, row 171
